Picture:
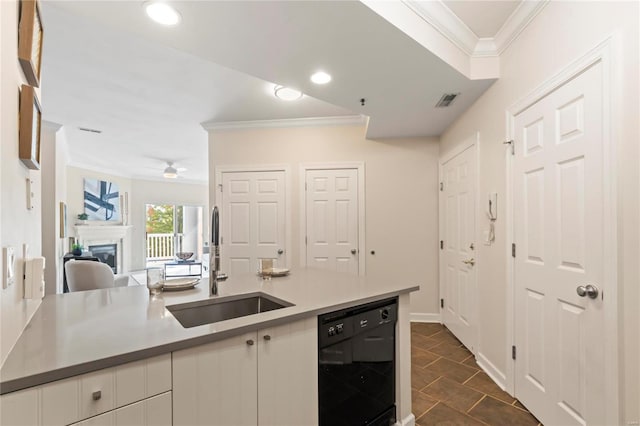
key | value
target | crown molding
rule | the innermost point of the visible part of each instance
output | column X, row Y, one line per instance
column 290, row 122
column 517, row 22
column 441, row 18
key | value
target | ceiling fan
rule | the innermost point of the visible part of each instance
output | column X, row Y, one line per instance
column 171, row 172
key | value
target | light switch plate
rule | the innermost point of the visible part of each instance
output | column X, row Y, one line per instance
column 8, row 266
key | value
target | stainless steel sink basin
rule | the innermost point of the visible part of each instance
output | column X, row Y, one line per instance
column 209, row 311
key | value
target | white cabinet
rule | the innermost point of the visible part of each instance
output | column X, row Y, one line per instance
column 261, row 378
column 89, row 395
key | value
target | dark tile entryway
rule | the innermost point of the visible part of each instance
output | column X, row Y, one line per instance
column 449, row 388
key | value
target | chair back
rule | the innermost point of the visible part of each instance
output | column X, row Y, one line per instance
column 88, row 275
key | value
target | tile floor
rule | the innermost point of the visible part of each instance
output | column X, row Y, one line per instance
column 449, row 388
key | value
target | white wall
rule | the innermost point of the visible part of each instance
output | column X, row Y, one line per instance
column 75, row 189
column 561, row 33
column 160, row 192
column 401, row 192
column 17, row 224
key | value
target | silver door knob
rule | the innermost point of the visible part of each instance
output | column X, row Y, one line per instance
column 589, row 290
column 469, row 261
column 280, row 251
column 353, row 251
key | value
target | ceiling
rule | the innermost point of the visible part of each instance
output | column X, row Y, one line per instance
column 484, row 18
column 148, row 88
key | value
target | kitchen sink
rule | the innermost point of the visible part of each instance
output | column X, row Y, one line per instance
column 208, row 311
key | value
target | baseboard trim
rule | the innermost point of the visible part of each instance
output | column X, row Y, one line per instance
column 492, row 371
column 410, row 420
column 424, row 318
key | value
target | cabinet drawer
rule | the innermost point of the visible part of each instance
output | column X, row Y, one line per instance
column 87, row 396
column 154, row 411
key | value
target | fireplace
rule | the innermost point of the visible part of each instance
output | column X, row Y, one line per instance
column 109, row 243
column 106, row 253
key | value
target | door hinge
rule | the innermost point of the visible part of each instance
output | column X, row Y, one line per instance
column 513, row 250
column 305, row 186
column 441, row 244
column 221, row 240
column 513, row 145
column 220, row 186
column 442, row 303
column 305, row 240
column 513, row 352
column 441, row 186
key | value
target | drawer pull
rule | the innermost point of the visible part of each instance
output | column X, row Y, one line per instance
column 250, row 342
column 96, row 395
column 267, row 337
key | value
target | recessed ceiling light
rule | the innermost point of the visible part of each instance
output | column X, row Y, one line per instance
column 162, row 13
column 320, row 77
column 286, row 93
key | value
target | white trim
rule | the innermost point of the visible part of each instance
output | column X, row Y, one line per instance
column 603, row 53
column 441, row 18
column 516, row 23
column 345, row 120
column 219, row 170
column 302, row 178
column 447, row 23
column 435, row 318
column 492, row 371
column 458, row 149
column 410, row 420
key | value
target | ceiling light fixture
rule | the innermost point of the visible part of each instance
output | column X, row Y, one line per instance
column 170, row 172
column 321, row 77
column 286, row 93
column 162, row 13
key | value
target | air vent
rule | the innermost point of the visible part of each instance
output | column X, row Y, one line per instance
column 86, row 129
column 446, row 100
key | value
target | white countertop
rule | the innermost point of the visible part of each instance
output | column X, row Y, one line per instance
column 75, row 333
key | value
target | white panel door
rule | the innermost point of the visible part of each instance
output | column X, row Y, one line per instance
column 253, row 220
column 459, row 273
column 332, row 219
column 558, row 225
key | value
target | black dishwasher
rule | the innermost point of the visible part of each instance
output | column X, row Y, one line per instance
column 356, row 365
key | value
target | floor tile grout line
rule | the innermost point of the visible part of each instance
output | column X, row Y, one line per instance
column 484, row 395
column 474, row 375
column 429, row 384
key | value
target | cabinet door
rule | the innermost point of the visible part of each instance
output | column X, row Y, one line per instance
column 288, row 374
column 216, row 383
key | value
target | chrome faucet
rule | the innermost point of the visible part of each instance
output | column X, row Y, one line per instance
column 214, row 261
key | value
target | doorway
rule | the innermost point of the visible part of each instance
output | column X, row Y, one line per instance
column 332, row 217
column 458, row 288
column 564, row 255
column 254, row 217
column 171, row 229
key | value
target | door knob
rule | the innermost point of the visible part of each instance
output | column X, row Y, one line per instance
column 589, row 290
column 469, row 261
column 353, row 251
column 280, row 251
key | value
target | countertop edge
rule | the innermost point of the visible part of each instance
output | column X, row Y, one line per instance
column 22, row 383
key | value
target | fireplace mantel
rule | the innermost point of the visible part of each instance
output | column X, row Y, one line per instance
column 101, row 232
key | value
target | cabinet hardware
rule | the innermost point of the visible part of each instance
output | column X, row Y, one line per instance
column 267, row 337
column 96, row 395
column 250, row 342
